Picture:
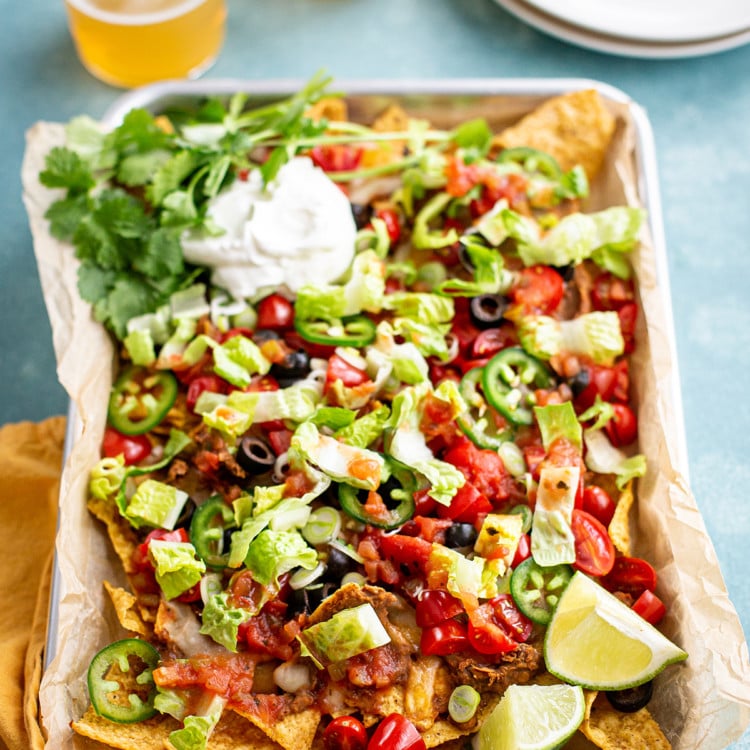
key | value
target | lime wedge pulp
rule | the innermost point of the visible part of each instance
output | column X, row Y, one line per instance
column 533, row 717
column 597, row 641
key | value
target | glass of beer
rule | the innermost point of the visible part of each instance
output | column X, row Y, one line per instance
column 130, row 43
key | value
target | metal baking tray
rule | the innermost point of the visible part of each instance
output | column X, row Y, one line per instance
column 456, row 99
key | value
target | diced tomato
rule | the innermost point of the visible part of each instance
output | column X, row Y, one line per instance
column 275, row 312
column 497, row 626
column 628, row 315
column 409, row 551
column 280, row 440
column 463, row 329
column 226, row 674
column 611, row 292
column 345, row 733
column 262, row 384
column 336, row 157
column 630, row 575
column 595, row 553
column 461, row 177
column 134, row 448
column 435, row 606
column 390, row 217
column 211, row 383
column 467, row 505
column 270, row 631
column 523, row 551
column 492, row 340
column 483, row 468
column 396, row 732
column 538, row 290
column 423, row 503
column 446, row 638
column 599, row 504
column 622, row 429
column 650, row 607
column 348, row 374
column 533, row 455
column 427, row 528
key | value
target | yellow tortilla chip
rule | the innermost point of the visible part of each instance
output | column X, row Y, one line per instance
column 127, row 610
column 393, row 119
column 329, row 108
column 293, row 732
column 386, row 701
column 428, row 680
column 575, row 128
column 619, row 526
column 446, row 731
column 613, row 730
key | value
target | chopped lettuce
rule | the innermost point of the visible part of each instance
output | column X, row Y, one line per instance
column 273, row 553
column 221, row 621
column 421, row 307
column 238, row 359
column 490, row 275
column 596, row 335
column 552, row 542
column 603, row 457
column 155, row 504
column 345, row 634
column 423, row 237
column 558, row 421
column 176, row 565
column 365, row 430
column 198, row 725
column 475, row 577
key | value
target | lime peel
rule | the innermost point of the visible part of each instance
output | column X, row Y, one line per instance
column 596, row 641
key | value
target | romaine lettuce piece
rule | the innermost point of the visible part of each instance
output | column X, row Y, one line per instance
column 474, row 578
column 558, row 421
column 155, row 504
column 273, row 553
column 221, row 621
column 176, row 565
column 604, row 458
column 552, row 542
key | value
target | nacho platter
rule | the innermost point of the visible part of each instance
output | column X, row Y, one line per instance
column 628, row 177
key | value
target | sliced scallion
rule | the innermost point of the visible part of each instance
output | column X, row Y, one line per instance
column 463, row 703
column 323, row 525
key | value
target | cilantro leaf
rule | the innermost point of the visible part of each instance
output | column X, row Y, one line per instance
column 138, row 169
column 66, row 169
column 171, row 174
column 161, row 255
column 94, row 282
column 66, row 214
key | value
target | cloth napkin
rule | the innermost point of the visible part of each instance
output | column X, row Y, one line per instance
column 31, row 455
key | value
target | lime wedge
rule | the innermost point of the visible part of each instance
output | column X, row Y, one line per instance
column 532, row 717
column 597, row 641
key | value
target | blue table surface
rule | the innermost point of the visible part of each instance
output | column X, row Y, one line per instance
column 699, row 110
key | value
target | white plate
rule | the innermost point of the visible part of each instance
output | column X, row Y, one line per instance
column 617, row 46
column 653, row 20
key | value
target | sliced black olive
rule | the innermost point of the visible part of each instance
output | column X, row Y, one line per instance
column 264, row 334
column 255, row 455
column 295, row 366
column 464, row 259
column 362, row 214
column 338, row 565
column 487, row 310
column 460, row 535
column 631, row 700
column 579, row 382
column 183, row 522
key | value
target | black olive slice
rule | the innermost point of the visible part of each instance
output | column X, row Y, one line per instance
column 579, row 382
column 487, row 310
column 464, row 259
column 254, row 455
column 362, row 214
column 460, row 535
column 631, row 700
column 295, row 366
column 265, row 334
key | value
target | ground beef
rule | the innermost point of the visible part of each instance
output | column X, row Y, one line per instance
column 517, row 666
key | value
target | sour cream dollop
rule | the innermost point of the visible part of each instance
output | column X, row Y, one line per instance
column 299, row 230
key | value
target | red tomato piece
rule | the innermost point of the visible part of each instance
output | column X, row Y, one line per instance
column 602, row 382
column 348, row 374
column 396, row 732
column 630, row 575
column 275, row 312
column 650, row 607
column 141, row 560
column 280, row 440
column 539, row 290
column 446, row 638
column 336, row 157
column 345, row 733
column 435, row 606
column 406, row 550
column 599, row 504
column 482, row 467
column 390, row 217
column 622, row 429
column 492, row 340
column 611, row 292
column 467, row 505
column 134, row 448
column 424, row 505
column 595, row 553
column 232, row 332
column 497, row 626
column 628, row 315
column 523, row 551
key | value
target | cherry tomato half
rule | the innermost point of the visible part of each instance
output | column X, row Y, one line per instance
column 435, row 606
column 539, row 290
column 134, row 448
column 348, row 374
column 630, row 575
column 390, row 218
column 447, row 638
column 650, row 607
column 396, row 732
column 611, row 292
column 595, row 553
column 275, row 312
column 492, row 340
column 622, row 429
column 599, row 504
column 345, row 733
column 211, row 383
column 497, row 626
column 523, row 551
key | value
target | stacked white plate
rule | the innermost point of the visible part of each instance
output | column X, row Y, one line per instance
column 641, row 28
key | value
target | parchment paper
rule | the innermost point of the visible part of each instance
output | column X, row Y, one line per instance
column 703, row 703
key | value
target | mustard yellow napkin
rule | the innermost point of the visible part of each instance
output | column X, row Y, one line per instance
column 30, row 466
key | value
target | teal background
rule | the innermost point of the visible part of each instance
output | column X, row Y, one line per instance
column 699, row 110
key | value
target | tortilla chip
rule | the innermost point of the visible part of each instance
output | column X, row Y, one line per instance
column 331, row 108
column 446, row 731
column 120, row 533
column 293, row 732
column 575, row 128
column 619, row 526
column 614, row 730
column 428, row 685
column 392, row 120
column 127, row 610
column 385, row 701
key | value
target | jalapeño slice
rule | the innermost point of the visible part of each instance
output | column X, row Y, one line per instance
column 536, row 590
column 357, row 330
column 399, row 486
column 121, row 687
column 140, row 399
column 509, row 380
column 207, row 527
